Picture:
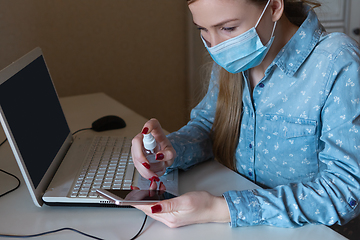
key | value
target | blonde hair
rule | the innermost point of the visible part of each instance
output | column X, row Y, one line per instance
column 225, row 131
column 226, row 127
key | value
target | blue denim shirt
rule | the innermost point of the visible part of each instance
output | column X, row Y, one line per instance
column 299, row 137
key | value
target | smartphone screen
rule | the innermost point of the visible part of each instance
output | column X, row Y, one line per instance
column 133, row 197
column 136, row 195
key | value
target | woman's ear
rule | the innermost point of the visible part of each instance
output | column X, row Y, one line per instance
column 277, row 9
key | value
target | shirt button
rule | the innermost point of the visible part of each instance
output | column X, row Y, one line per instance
column 250, row 174
column 261, row 85
column 250, row 145
column 352, row 203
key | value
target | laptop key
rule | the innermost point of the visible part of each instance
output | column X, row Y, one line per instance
column 129, row 172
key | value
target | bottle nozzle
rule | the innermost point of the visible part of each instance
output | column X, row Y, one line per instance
column 149, row 142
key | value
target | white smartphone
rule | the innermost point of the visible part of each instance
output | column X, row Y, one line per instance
column 134, row 197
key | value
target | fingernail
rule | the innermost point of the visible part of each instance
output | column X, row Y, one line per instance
column 154, row 178
column 161, row 184
column 159, row 156
column 156, row 209
column 145, row 130
column 131, row 187
column 146, row 165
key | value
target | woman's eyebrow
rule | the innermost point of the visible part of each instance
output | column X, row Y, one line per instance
column 218, row 24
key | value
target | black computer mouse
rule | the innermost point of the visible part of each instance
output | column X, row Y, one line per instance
column 108, row 123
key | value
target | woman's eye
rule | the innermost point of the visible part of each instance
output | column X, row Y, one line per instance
column 201, row 29
column 228, row 29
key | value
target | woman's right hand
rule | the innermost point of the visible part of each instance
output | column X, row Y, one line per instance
column 166, row 155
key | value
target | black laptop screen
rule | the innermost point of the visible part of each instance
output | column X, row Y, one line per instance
column 35, row 117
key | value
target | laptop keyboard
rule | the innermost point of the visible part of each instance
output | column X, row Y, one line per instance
column 108, row 165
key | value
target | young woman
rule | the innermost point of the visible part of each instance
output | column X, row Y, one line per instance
column 282, row 109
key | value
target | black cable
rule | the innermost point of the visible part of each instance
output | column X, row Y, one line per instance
column 12, row 175
column 143, row 225
column 3, row 142
column 67, row 229
column 49, row 232
column 79, row 130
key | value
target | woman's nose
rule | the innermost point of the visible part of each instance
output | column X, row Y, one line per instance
column 212, row 41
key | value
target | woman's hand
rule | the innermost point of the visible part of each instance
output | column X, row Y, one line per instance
column 165, row 156
column 190, row 208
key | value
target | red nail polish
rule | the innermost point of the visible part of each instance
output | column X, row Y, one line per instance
column 156, row 209
column 146, row 165
column 145, row 130
column 131, row 187
column 159, row 156
column 154, row 178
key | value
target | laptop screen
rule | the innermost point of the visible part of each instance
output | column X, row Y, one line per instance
column 34, row 115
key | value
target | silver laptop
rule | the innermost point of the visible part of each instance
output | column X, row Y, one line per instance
column 59, row 169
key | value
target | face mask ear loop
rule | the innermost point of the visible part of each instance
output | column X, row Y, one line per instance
column 272, row 33
column 267, row 4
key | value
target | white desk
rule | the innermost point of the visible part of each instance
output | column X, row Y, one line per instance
column 18, row 214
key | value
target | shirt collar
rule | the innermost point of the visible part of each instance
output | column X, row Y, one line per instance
column 294, row 53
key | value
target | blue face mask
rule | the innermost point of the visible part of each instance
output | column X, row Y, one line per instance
column 242, row 52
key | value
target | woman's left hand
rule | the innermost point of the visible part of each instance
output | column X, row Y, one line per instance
column 190, row 208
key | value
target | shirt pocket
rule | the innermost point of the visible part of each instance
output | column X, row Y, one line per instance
column 296, row 148
column 289, row 127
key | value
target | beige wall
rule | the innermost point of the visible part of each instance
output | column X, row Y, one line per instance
column 133, row 50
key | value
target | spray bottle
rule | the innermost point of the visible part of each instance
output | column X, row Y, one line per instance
column 151, row 147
